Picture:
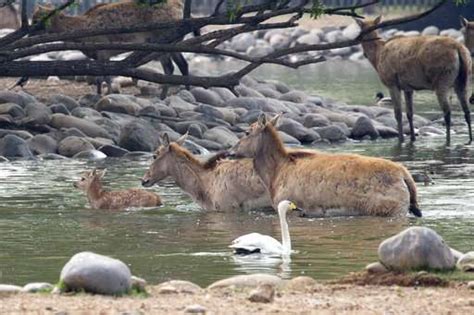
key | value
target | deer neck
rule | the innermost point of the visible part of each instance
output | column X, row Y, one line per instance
column 373, row 45
column 95, row 191
column 190, row 177
column 66, row 23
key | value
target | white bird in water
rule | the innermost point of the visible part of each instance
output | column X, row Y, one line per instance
column 264, row 244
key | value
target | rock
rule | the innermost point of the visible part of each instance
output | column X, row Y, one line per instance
column 179, row 286
column 331, row 133
column 96, row 273
column 386, row 132
column 334, row 36
column 195, row 309
column 224, row 94
column 138, row 283
column 301, row 284
column 186, row 96
column 315, row 120
column 179, row 105
column 259, row 51
column 113, row 150
column 37, row 287
column 19, row 133
column 9, row 289
column 89, row 100
column 118, row 103
column 59, row 109
column 309, row 39
column 268, row 92
column 470, row 285
column 451, row 32
column 297, row 130
column 14, row 146
column 42, row 144
column 72, row 145
column 262, row 294
column 207, row 96
column 466, row 262
column 52, row 156
column 12, row 109
column 86, row 112
column 89, row 128
column 245, row 91
column 287, row 139
column 167, row 289
column 242, row 42
column 208, row 144
column 246, row 281
column 364, row 127
column 210, row 111
column 158, row 109
column 67, row 101
column 430, row 30
column 221, row 135
column 416, row 248
column 113, row 128
column 3, row 159
column 376, row 267
column 91, row 155
column 280, row 41
column 139, row 136
column 351, row 31
column 195, row 130
column 294, row 96
column 431, row 131
column 37, row 114
column 20, row 98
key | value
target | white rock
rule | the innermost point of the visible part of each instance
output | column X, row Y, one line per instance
column 466, row 262
column 246, row 281
column 376, row 267
column 195, row 309
column 430, row 30
column 37, row 286
column 351, row 31
column 9, row 289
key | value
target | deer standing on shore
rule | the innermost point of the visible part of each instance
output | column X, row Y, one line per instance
column 125, row 13
column 91, row 183
column 216, row 185
column 408, row 64
column 325, row 184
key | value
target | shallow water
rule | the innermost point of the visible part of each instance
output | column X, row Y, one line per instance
column 44, row 220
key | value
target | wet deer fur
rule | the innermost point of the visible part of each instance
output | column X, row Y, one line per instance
column 325, row 184
column 408, row 64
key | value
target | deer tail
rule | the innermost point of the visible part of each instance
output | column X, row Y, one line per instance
column 465, row 68
column 413, row 194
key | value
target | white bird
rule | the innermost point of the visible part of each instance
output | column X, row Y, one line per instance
column 381, row 100
column 264, row 244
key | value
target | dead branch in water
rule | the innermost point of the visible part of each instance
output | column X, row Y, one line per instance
column 248, row 18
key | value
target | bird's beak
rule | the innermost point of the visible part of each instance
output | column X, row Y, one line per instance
column 298, row 209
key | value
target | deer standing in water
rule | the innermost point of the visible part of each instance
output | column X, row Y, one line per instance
column 217, row 184
column 125, row 13
column 325, row 184
column 469, row 41
column 408, row 64
column 91, row 183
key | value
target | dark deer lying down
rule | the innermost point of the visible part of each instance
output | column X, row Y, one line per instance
column 408, row 64
column 90, row 183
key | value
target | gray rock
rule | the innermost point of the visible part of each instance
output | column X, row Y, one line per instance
column 251, row 116
column 14, row 146
column 297, row 130
column 262, row 294
column 294, row 96
column 19, row 133
column 259, row 51
column 287, row 139
column 37, row 114
column 67, row 101
column 160, row 109
column 180, row 286
column 208, row 144
column 207, row 96
column 37, row 287
column 186, row 96
column 280, row 41
column 90, row 128
column 179, row 105
column 139, row 136
column 118, row 103
column 386, row 132
column 42, row 144
column 224, row 94
column 184, row 126
column 210, row 111
column 9, row 289
column 92, row 155
column 52, row 156
column 89, row 100
column 376, row 267
column 72, row 145
column 451, row 32
column 113, row 150
column 113, row 128
column 263, row 104
column 195, row 130
column 242, row 42
column 416, row 248
column 315, row 120
column 245, row 91
column 20, row 98
column 67, row 132
column 466, row 262
column 334, row 36
column 86, row 112
column 138, row 283
column 431, row 131
column 12, row 109
column 309, row 39
column 351, row 31
column 331, row 133
column 221, row 135
column 96, row 274
column 246, row 281
column 268, row 92
column 195, row 309
column 430, row 30
column 364, row 127
column 470, row 285
column 59, row 109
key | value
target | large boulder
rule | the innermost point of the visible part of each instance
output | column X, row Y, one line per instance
column 72, row 145
column 12, row 109
column 331, row 133
column 364, row 127
column 95, row 273
column 37, row 114
column 179, row 105
column 67, row 101
column 416, row 248
column 221, row 135
column 207, row 96
column 113, row 150
column 42, row 144
column 14, row 146
column 86, row 113
column 20, row 98
column 316, row 120
column 466, row 262
column 118, row 103
column 90, row 128
column 297, row 130
column 139, row 136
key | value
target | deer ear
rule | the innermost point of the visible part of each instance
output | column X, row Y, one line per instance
column 464, row 21
column 378, row 19
column 275, row 119
column 102, row 173
column 182, row 139
column 262, row 120
column 165, row 139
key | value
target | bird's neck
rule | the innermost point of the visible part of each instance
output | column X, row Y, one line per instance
column 285, row 233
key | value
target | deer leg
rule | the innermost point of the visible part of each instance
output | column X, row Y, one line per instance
column 395, row 94
column 442, row 95
column 182, row 64
column 409, row 105
column 461, row 93
column 98, row 84
column 168, row 69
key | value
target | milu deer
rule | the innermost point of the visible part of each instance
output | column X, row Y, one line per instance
column 468, row 41
column 407, row 64
column 91, row 183
column 325, row 184
column 216, row 185
column 120, row 14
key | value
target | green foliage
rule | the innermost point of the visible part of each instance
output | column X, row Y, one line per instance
column 317, row 9
column 461, row 2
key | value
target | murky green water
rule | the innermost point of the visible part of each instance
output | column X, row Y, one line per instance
column 44, row 220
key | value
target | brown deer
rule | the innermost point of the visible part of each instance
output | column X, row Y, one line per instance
column 325, row 184
column 407, row 64
column 121, row 14
column 91, row 183
column 9, row 17
column 217, row 184
column 468, row 41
